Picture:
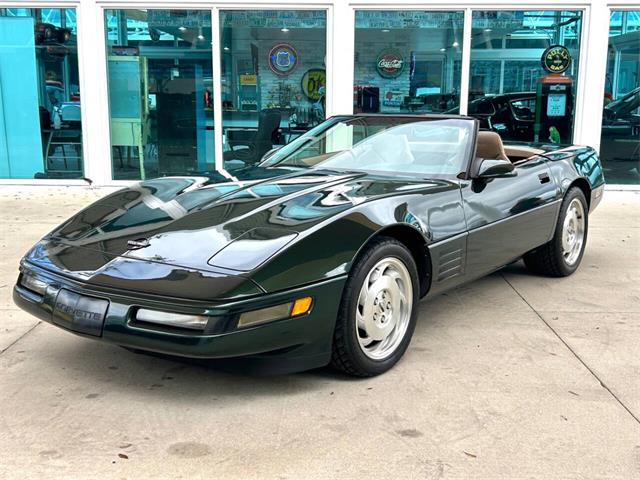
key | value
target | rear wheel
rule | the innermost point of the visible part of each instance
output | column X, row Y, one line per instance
column 378, row 310
column 562, row 255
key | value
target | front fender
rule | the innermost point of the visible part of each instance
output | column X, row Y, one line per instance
column 569, row 164
column 325, row 252
column 329, row 248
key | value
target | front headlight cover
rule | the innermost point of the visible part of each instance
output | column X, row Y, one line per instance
column 33, row 284
column 179, row 320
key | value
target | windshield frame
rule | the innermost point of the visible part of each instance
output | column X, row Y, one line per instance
column 296, row 145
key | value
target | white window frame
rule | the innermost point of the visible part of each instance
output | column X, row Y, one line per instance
column 217, row 73
column 604, row 11
column 340, row 45
column 427, row 7
column 215, row 8
column 82, row 77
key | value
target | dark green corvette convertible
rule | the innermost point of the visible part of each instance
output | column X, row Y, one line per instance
column 321, row 252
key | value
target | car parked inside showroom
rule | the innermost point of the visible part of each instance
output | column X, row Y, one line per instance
column 512, row 115
column 318, row 254
column 621, row 128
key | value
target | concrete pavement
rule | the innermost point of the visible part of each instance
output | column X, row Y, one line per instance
column 513, row 376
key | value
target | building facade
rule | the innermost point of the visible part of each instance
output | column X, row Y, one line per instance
column 116, row 91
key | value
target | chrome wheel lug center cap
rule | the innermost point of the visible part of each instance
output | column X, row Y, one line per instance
column 573, row 232
column 384, row 308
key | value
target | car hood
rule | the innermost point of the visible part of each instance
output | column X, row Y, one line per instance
column 194, row 223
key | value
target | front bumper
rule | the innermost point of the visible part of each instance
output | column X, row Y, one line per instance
column 296, row 343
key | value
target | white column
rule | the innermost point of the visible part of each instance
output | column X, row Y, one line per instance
column 93, row 89
column 591, row 76
column 466, row 62
column 217, row 89
column 340, row 59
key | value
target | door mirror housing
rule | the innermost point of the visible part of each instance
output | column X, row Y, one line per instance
column 610, row 114
column 490, row 168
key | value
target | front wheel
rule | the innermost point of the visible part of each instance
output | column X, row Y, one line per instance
column 562, row 255
column 378, row 310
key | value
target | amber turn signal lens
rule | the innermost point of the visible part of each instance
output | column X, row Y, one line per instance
column 277, row 312
column 301, row 306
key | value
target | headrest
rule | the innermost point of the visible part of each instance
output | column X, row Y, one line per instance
column 489, row 146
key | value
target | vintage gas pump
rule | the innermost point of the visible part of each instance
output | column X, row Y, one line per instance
column 554, row 98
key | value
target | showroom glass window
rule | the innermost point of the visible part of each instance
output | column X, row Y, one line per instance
column 160, row 92
column 407, row 61
column 620, row 140
column 523, row 73
column 273, row 79
column 40, row 122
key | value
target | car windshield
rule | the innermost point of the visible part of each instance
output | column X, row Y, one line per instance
column 401, row 145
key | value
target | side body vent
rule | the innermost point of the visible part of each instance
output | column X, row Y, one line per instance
column 449, row 259
column 450, row 265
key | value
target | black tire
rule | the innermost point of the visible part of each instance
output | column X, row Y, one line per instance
column 347, row 354
column 549, row 259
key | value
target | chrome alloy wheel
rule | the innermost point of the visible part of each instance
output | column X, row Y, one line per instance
column 573, row 232
column 383, row 312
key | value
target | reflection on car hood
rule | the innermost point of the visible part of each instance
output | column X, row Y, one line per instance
column 184, row 221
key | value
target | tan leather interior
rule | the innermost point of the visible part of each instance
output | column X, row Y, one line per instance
column 520, row 151
column 489, row 146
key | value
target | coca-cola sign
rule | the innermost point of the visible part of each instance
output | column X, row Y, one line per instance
column 390, row 64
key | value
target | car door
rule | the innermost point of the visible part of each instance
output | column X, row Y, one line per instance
column 508, row 216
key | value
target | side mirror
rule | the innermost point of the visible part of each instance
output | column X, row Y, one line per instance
column 609, row 114
column 496, row 168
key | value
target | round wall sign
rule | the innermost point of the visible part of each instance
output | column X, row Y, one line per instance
column 390, row 64
column 312, row 81
column 283, row 59
column 556, row 59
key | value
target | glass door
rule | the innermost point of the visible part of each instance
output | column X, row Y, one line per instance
column 40, row 98
column 523, row 73
column 160, row 92
column 620, row 138
column 407, row 61
column 273, row 80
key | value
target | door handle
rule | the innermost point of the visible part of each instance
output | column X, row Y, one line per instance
column 544, row 178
